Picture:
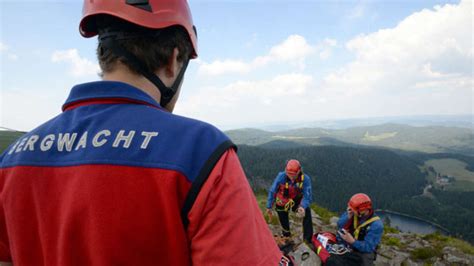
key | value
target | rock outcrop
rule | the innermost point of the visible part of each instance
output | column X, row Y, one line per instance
column 397, row 248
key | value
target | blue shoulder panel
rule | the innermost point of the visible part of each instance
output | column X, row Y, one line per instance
column 127, row 133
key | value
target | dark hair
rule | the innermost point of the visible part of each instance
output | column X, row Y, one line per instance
column 152, row 47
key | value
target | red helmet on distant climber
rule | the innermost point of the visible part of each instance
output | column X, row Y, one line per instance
column 152, row 14
column 360, row 202
column 293, row 167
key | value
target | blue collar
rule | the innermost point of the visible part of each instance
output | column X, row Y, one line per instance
column 107, row 90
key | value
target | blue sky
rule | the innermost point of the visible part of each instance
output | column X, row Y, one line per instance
column 262, row 61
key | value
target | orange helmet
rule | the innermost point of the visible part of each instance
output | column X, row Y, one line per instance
column 293, row 167
column 152, row 14
column 360, row 202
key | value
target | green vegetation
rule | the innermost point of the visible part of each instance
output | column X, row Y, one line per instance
column 7, row 138
column 393, row 180
column 463, row 178
column 390, row 230
column 425, row 253
column 433, row 139
column 440, row 241
column 324, row 213
column 261, row 196
column 379, row 137
column 392, row 241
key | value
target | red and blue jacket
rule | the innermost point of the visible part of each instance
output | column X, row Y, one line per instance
column 117, row 180
column 298, row 188
column 370, row 236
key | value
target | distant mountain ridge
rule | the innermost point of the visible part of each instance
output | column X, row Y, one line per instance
column 430, row 139
column 462, row 121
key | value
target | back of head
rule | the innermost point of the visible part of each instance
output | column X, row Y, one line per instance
column 141, row 34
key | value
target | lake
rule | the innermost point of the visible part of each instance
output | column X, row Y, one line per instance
column 409, row 224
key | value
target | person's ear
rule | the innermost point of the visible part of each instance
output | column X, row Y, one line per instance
column 173, row 67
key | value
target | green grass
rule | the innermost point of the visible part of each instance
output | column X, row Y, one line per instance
column 425, row 253
column 379, row 137
column 464, row 179
column 390, row 230
column 440, row 241
column 392, row 241
column 451, row 167
column 7, row 138
column 261, row 197
column 325, row 214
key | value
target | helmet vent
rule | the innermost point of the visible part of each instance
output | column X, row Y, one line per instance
column 142, row 4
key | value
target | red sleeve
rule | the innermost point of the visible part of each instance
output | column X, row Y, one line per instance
column 4, row 246
column 226, row 226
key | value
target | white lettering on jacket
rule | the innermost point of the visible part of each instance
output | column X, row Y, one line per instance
column 30, row 144
column 126, row 138
column 47, row 142
column 95, row 141
column 21, row 144
column 82, row 141
column 66, row 140
column 148, row 136
column 74, row 141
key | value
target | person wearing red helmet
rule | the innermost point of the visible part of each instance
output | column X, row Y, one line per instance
column 360, row 230
column 116, row 178
column 291, row 190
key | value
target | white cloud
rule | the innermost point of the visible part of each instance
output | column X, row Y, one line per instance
column 25, row 109
column 423, row 65
column 254, row 100
column 3, row 47
column 79, row 66
column 219, row 67
column 13, row 57
column 433, row 44
column 325, row 48
column 294, row 50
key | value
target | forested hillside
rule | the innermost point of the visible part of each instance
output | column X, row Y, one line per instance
column 393, row 180
column 430, row 139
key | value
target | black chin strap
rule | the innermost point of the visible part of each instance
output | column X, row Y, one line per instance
column 110, row 41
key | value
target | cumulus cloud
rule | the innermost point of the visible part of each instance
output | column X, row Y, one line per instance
column 24, row 109
column 293, row 50
column 6, row 49
column 433, row 46
column 79, row 66
column 423, row 65
column 3, row 47
column 254, row 100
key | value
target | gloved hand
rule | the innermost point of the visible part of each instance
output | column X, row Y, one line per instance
column 346, row 236
column 270, row 214
column 300, row 212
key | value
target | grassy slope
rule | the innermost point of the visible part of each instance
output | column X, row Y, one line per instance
column 464, row 179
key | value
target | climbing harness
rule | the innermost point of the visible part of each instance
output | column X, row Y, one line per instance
column 358, row 228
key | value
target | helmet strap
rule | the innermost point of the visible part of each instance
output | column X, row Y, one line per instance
column 109, row 40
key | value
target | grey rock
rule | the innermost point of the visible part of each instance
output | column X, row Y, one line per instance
column 333, row 221
column 439, row 262
column 415, row 244
column 452, row 255
column 304, row 252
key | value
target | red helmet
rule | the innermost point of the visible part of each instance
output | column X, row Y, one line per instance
column 153, row 14
column 360, row 202
column 293, row 167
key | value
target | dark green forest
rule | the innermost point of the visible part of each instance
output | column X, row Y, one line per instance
column 393, row 180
